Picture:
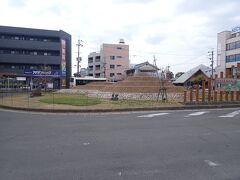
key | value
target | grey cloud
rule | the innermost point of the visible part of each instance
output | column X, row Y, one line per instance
column 196, row 6
column 134, row 1
column 219, row 18
column 156, row 39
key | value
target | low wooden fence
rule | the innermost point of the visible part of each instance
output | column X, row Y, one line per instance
column 208, row 95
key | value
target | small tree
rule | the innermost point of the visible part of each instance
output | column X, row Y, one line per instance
column 178, row 74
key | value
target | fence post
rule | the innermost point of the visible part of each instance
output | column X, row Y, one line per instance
column 226, row 95
column 221, row 96
column 232, row 95
column 191, row 95
column 203, row 90
column 185, row 96
column 237, row 95
column 215, row 96
column 209, row 90
column 197, row 92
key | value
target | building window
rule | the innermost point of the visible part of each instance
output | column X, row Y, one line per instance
column 119, row 74
column 119, row 56
column 237, row 57
column 97, row 57
column 237, row 44
column 97, row 75
column 112, row 57
column 233, row 45
column 231, row 58
column 119, row 65
column 112, row 74
column 90, row 60
column 97, row 68
column 112, row 66
column 119, row 48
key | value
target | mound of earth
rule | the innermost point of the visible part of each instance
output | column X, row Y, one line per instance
column 134, row 84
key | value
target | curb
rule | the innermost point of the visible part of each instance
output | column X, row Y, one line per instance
column 184, row 107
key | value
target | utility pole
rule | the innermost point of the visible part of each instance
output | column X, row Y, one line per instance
column 154, row 61
column 211, row 53
column 79, row 59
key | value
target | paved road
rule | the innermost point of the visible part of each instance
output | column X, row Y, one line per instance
column 171, row 145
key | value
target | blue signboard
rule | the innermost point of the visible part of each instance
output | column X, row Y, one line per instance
column 40, row 73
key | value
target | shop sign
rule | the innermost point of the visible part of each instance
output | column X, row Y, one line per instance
column 31, row 72
column 225, row 81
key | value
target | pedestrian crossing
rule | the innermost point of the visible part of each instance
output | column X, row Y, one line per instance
column 153, row 115
column 232, row 114
column 196, row 113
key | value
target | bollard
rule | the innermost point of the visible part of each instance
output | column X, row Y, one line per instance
column 185, row 96
column 221, row 96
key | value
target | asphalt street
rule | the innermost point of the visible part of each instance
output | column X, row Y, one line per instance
column 168, row 145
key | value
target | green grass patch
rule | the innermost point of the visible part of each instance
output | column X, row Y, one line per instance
column 136, row 103
column 74, row 100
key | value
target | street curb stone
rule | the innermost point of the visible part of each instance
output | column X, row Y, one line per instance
column 184, row 107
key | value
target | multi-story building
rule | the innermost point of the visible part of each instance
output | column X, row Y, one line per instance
column 111, row 62
column 33, row 54
column 95, row 65
column 228, row 54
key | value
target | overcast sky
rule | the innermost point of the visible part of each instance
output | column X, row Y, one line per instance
column 178, row 32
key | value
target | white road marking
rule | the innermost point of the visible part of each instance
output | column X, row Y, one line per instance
column 232, row 114
column 212, row 164
column 120, row 174
column 153, row 115
column 196, row 113
column 86, row 144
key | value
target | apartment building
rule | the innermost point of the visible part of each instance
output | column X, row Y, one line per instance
column 31, row 54
column 228, row 54
column 111, row 62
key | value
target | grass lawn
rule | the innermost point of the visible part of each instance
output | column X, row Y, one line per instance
column 140, row 103
column 74, row 100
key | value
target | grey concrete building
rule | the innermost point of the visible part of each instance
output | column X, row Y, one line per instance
column 34, row 54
